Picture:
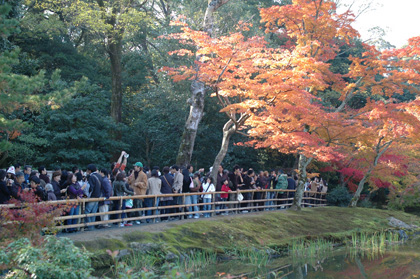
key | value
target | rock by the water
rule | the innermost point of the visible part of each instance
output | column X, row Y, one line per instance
column 123, row 253
column 403, row 234
column 144, row 247
column 393, row 222
column 170, row 257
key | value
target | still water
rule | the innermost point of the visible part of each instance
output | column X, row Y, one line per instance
column 398, row 261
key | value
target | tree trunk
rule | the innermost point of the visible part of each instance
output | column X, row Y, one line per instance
column 186, row 146
column 380, row 150
column 228, row 130
column 303, row 163
column 356, row 197
column 115, row 54
column 196, row 100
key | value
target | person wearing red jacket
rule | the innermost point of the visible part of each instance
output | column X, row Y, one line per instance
column 224, row 196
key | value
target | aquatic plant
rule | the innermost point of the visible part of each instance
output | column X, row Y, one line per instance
column 370, row 245
column 135, row 269
column 377, row 240
column 196, row 260
column 310, row 249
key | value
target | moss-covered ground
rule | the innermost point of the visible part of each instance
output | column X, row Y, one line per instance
column 274, row 229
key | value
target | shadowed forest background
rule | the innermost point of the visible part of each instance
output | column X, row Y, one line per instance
column 77, row 129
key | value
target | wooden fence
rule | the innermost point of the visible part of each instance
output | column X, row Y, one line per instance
column 258, row 200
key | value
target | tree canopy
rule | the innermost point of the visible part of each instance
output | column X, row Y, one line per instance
column 280, row 84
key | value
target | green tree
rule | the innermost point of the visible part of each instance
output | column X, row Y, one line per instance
column 78, row 131
column 108, row 22
column 17, row 91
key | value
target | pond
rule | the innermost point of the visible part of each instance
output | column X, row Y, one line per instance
column 396, row 261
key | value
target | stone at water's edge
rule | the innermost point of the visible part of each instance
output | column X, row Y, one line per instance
column 394, row 222
column 144, row 247
column 122, row 253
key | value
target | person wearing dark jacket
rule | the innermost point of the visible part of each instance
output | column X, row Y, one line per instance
column 5, row 193
column 236, row 182
column 37, row 189
column 18, row 185
column 106, row 193
column 56, row 185
column 74, row 191
column 272, row 180
column 120, row 189
column 186, row 186
column 187, row 180
column 221, row 177
column 261, row 183
column 249, row 183
column 291, row 184
column 94, row 179
column 63, row 180
column 27, row 173
column 43, row 174
column 167, row 182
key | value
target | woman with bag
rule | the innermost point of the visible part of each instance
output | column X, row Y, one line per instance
column 74, row 191
column 196, row 188
column 167, row 182
column 120, row 189
column 208, row 187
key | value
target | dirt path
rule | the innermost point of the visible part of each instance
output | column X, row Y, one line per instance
column 117, row 232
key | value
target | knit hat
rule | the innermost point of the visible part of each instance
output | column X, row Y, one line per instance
column 49, row 187
column 138, row 164
column 11, row 170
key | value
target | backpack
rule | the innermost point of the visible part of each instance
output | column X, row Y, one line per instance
column 282, row 183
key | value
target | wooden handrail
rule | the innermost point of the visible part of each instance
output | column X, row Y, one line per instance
column 283, row 200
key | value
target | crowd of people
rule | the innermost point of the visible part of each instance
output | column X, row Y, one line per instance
column 104, row 183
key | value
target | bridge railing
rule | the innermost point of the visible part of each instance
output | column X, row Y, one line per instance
column 253, row 200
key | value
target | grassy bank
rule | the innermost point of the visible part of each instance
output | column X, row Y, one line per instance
column 274, row 230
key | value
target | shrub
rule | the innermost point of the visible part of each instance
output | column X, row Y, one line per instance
column 26, row 253
column 53, row 258
column 366, row 203
column 409, row 198
column 27, row 218
column 339, row 196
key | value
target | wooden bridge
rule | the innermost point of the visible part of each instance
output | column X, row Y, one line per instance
column 258, row 201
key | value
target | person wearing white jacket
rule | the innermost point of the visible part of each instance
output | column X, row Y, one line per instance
column 208, row 187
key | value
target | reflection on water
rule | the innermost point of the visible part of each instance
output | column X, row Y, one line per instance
column 401, row 261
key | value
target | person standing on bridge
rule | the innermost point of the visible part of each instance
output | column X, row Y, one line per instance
column 177, row 187
column 154, row 184
column 138, row 182
column 94, row 179
column 167, row 181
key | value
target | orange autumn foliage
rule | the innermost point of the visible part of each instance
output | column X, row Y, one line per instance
column 278, row 88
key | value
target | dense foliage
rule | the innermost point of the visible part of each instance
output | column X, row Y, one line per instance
column 53, row 258
column 76, row 130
